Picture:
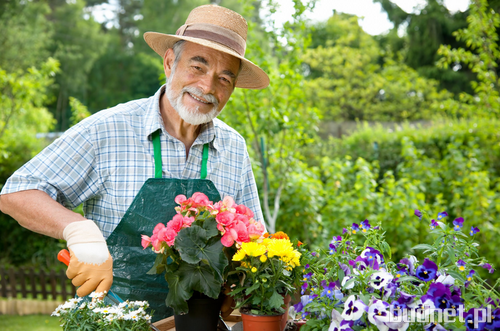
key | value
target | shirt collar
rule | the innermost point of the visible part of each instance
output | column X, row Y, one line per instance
column 153, row 121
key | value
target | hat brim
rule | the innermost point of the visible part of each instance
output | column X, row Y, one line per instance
column 250, row 76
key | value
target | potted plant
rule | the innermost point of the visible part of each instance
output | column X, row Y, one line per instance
column 355, row 286
column 82, row 314
column 194, row 249
column 268, row 270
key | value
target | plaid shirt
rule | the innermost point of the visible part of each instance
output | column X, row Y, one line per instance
column 104, row 160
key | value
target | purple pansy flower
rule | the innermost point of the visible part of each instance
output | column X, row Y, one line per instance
column 493, row 320
column 339, row 324
column 439, row 295
column 328, row 291
column 380, row 279
column 400, row 274
column 355, row 228
column 434, row 224
column 363, row 263
column 378, row 314
column 408, row 265
column 473, row 230
column 488, row 267
column 344, row 231
column 473, row 324
column 365, row 225
column 371, row 253
column 441, row 215
column 418, row 214
column 458, row 223
column 303, row 288
column 461, row 265
column 470, row 275
column 426, row 271
column 353, row 309
column 434, row 327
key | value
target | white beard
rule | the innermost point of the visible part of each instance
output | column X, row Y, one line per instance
column 191, row 115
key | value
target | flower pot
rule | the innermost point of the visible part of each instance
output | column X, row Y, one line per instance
column 203, row 314
column 261, row 322
column 298, row 324
column 286, row 305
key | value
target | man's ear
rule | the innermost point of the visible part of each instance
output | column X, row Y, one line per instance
column 168, row 61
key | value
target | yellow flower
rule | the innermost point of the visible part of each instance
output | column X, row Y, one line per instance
column 240, row 255
column 254, row 270
column 263, row 258
column 283, row 249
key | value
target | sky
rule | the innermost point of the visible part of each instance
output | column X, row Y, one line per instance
column 374, row 19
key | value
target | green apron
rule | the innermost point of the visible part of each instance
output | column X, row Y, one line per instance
column 153, row 204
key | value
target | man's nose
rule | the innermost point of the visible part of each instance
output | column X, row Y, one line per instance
column 207, row 84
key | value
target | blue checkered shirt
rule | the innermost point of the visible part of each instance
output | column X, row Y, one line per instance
column 104, row 160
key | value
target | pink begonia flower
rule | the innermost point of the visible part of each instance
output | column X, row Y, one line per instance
column 255, row 230
column 225, row 218
column 200, row 199
column 187, row 221
column 155, row 242
column 176, row 223
column 242, row 218
column 180, row 199
column 145, row 241
column 158, row 227
column 170, row 237
column 227, row 240
column 241, row 232
column 244, row 210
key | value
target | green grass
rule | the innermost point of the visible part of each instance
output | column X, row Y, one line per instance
column 29, row 323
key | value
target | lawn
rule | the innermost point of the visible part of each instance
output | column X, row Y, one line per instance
column 29, row 322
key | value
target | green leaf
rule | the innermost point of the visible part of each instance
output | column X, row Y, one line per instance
column 193, row 247
column 252, row 288
column 456, row 275
column 423, row 246
column 177, row 294
column 409, row 278
column 276, row 300
column 349, row 282
column 451, row 255
column 210, row 225
column 190, row 242
column 159, row 265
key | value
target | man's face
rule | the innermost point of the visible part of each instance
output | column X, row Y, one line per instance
column 202, row 82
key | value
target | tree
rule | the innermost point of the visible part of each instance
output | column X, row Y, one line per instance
column 348, row 81
column 482, row 38
column 276, row 121
column 425, row 32
column 22, row 116
column 78, row 43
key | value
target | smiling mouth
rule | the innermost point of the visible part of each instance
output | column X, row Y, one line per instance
column 198, row 99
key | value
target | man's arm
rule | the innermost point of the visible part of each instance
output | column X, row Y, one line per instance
column 36, row 211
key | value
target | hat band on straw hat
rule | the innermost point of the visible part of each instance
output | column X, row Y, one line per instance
column 214, row 33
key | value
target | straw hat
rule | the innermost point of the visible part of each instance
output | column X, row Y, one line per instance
column 218, row 28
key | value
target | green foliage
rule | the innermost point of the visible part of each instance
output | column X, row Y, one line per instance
column 78, row 111
column 348, row 83
column 22, row 115
column 451, row 166
column 276, row 121
column 482, row 38
column 426, row 30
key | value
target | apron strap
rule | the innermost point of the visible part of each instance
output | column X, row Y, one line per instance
column 204, row 162
column 157, row 157
column 157, row 154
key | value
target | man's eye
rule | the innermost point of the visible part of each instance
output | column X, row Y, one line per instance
column 226, row 80
column 197, row 68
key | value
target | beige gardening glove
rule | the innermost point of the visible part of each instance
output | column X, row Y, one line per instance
column 91, row 265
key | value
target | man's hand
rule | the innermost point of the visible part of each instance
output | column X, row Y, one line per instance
column 90, row 265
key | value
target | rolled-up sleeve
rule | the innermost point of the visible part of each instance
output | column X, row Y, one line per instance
column 66, row 170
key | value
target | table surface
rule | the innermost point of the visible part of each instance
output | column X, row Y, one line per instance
column 168, row 324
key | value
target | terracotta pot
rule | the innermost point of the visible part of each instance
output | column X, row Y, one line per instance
column 286, row 299
column 298, row 324
column 261, row 322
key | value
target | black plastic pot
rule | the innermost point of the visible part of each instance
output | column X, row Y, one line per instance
column 203, row 314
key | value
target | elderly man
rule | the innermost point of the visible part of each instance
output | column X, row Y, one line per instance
column 127, row 163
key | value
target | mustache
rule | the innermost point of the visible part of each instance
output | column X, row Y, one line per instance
column 199, row 94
